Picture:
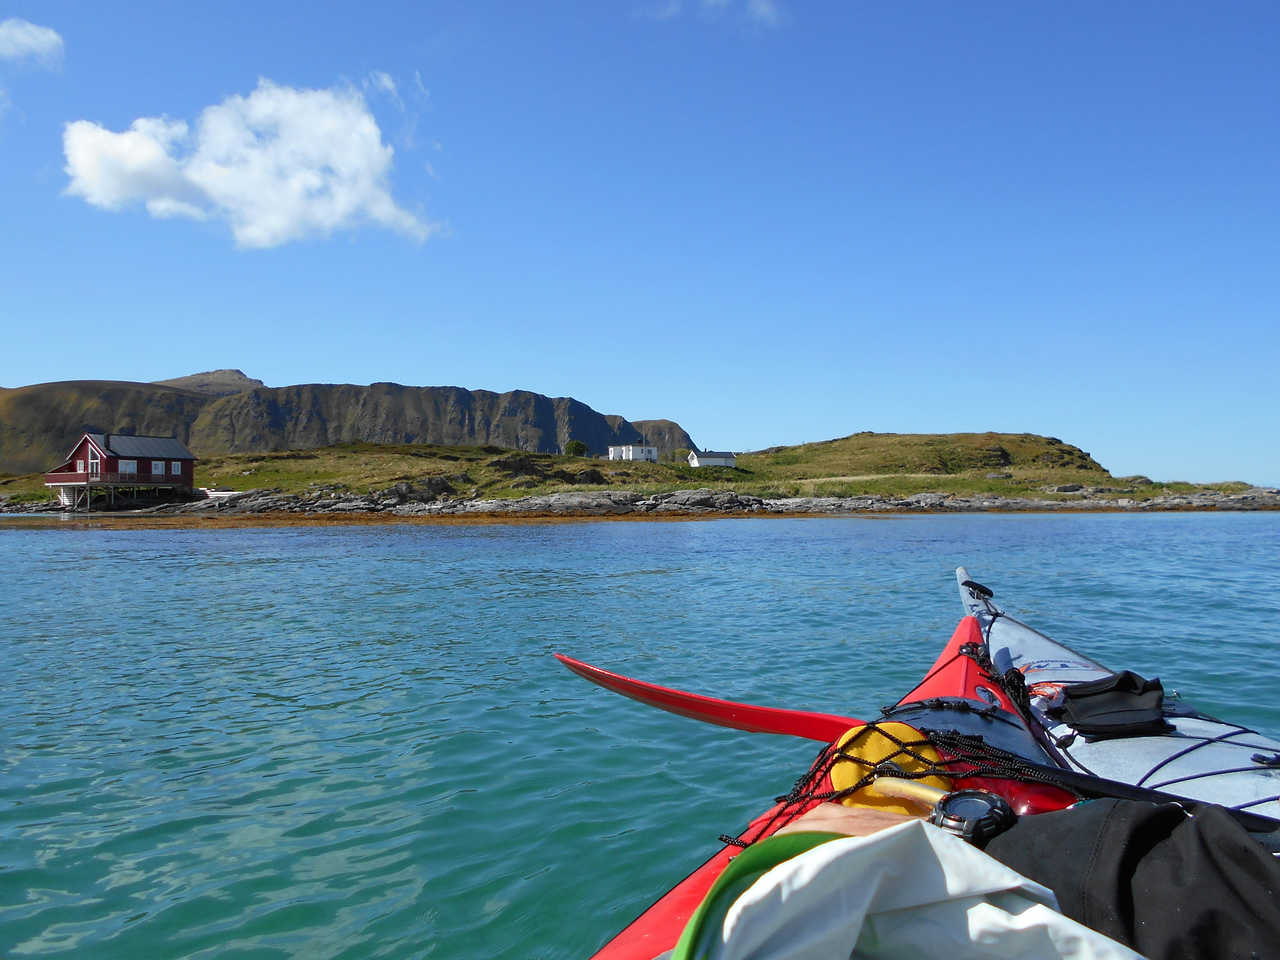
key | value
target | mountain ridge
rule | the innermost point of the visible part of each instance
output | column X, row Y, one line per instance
column 216, row 383
column 39, row 422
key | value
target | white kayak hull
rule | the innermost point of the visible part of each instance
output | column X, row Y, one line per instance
column 1201, row 757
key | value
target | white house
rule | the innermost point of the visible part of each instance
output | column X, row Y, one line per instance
column 712, row 458
column 632, row 451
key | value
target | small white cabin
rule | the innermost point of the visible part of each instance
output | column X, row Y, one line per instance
column 632, row 451
column 712, row 458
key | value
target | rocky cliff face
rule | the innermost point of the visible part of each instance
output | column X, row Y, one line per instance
column 666, row 435
column 316, row 415
column 39, row 423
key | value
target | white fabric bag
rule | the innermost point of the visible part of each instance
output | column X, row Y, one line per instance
column 912, row 890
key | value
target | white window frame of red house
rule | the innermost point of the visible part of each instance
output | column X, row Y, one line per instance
column 157, row 466
column 95, row 462
column 129, row 467
column 175, row 467
column 79, row 466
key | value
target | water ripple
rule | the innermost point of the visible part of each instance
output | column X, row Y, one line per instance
column 353, row 742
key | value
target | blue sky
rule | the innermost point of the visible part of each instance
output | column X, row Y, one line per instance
column 773, row 222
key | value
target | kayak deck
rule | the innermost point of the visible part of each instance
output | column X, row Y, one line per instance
column 1201, row 757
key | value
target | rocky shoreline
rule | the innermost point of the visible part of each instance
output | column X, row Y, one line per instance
column 407, row 500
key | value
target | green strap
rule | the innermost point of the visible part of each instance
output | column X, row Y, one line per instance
column 704, row 927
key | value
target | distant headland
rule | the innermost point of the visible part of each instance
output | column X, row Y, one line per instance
column 387, row 452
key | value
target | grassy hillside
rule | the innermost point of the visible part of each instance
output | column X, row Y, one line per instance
column 947, row 453
column 886, row 464
column 40, row 423
column 898, row 463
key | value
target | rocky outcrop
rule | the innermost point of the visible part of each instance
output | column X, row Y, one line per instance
column 440, row 497
column 29, row 506
column 406, row 500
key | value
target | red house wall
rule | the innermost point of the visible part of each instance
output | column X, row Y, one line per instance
column 111, row 464
column 81, row 453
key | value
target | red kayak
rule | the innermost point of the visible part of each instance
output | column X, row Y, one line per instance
column 959, row 696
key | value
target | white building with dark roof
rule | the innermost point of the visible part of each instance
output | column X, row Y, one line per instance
column 633, row 451
column 712, row 458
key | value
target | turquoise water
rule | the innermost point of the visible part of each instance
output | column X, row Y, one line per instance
column 354, row 742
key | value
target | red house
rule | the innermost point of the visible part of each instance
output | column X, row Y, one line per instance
column 109, row 462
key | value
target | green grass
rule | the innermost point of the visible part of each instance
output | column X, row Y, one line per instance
column 25, row 489
column 935, row 454
column 891, row 465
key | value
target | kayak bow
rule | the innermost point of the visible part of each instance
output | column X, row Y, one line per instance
column 964, row 711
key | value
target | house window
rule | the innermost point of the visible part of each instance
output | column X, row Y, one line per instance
column 175, row 467
column 157, row 467
column 129, row 466
column 79, row 466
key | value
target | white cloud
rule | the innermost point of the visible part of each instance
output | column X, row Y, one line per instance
column 278, row 165
column 20, row 39
column 112, row 170
column 381, row 81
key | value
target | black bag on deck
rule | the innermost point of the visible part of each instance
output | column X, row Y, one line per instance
column 1170, row 886
column 1121, row 705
